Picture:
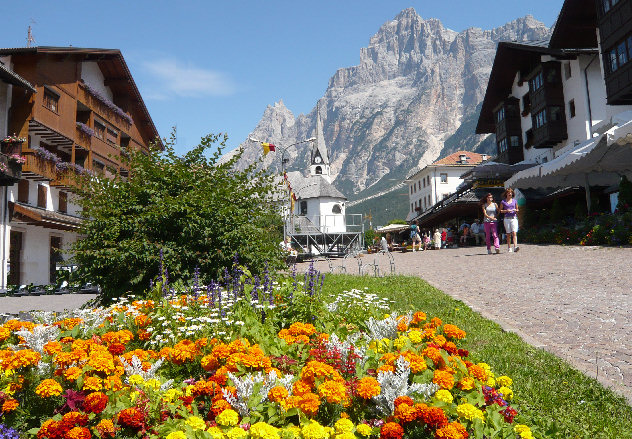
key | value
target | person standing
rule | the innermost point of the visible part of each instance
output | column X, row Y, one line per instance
column 477, row 230
column 509, row 206
column 437, row 239
column 490, row 213
column 414, row 235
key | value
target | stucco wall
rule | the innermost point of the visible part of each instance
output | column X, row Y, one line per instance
column 91, row 75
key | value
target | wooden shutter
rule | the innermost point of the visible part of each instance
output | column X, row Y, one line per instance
column 63, row 202
column 23, row 191
column 41, row 195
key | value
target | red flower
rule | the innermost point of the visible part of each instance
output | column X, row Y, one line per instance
column 95, row 402
column 132, row 418
column 116, row 348
column 391, row 430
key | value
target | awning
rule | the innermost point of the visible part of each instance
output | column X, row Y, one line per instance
column 600, row 161
column 494, row 171
column 36, row 216
column 393, row 228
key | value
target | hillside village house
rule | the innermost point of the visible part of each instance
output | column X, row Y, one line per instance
column 438, row 181
column 565, row 104
column 85, row 113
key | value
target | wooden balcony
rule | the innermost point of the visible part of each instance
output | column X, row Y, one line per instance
column 10, row 171
column 67, row 180
column 101, row 109
column 36, row 168
column 619, row 85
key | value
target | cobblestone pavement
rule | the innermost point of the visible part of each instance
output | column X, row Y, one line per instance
column 575, row 302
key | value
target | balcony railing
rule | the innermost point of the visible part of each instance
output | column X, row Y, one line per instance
column 38, row 168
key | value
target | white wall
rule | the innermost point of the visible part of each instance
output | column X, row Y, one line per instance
column 330, row 222
column 5, row 104
column 92, row 75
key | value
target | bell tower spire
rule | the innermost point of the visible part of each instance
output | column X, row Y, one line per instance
column 319, row 165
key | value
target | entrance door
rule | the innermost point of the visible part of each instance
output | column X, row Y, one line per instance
column 55, row 257
column 15, row 258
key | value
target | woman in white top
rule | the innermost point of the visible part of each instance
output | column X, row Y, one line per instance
column 490, row 213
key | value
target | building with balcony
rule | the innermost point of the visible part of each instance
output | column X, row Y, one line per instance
column 85, row 114
column 438, row 181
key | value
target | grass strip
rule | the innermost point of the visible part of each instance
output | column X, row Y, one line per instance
column 557, row 399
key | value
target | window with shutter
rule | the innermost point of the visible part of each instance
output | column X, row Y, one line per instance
column 63, row 202
column 23, row 191
column 42, row 192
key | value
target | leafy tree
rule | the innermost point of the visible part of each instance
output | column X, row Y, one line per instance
column 625, row 195
column 397, row 221
column 191, row 211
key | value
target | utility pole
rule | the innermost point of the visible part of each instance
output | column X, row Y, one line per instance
column 29, row 36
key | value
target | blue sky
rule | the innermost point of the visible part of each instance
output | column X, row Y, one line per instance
column 211, row 66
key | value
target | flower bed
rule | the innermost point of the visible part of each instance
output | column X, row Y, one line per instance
column 249, row 359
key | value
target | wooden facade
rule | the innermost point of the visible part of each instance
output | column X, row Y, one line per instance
column 615, row 33
column 509, row 131
column 546, row 95
column 73, row 119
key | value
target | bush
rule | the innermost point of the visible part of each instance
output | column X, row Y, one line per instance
column 183, row 213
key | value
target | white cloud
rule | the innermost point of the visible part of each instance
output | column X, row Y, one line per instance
column 176, row 78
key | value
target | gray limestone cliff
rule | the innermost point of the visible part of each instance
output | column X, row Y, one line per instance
column 401, row 107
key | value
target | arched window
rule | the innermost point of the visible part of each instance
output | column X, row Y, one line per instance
column 303, row 208
column 319, row 170
column 336, row 209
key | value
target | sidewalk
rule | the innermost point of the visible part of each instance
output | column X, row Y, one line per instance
column 15, row 305
column 575, row 302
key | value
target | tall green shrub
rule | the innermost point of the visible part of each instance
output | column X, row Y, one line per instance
column 625, row 195
column 191, row 209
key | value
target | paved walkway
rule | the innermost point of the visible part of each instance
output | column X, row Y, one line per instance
column 16, row 305
column 575, row 302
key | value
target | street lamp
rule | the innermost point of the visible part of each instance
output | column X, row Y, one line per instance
column 284, row 149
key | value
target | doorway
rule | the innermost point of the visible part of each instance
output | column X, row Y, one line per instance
column 55, row 257
column 14, row 276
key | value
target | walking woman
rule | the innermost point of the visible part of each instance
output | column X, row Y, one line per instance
column 490, row 213
column 509, row 207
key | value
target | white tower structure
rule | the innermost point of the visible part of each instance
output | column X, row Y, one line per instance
column 319, row 164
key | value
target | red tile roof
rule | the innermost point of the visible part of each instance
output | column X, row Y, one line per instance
column 471, row 159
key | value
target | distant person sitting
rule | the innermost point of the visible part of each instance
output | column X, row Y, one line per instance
column 427, row 241
column 477, row 231
column 384, row 245
column 465, row 233
column 291, row 254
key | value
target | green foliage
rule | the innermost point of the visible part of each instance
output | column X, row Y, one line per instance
column 396, row 221
column 369, row 236
column 196, row 211
column 557, row 213
column 625, row 195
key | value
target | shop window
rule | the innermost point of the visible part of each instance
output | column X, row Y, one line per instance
column 42, row 195
column 23, row 191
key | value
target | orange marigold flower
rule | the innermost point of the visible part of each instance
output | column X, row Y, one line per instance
column 219, row 406
column 386, row 368
column 439, row 340
column 403, row 400
column 368, row 387
column 432, row 416
column 116, row 348
column 48, row 387
column 131, row 417
column 113, row 383
column 78, row 433
column 93, row 383
column 478, row 372
column 466, row 383
column 418, row 317
column 75, row 418
column 48, row 429
column 333, row 392
column 301, row 387
column 9, row 405
column 277, row 394
column 52, row 347
column 143, row 335
column 453, row 331
column 436, row 322
column 142, row 320
column 454, row 430
column 4, row 333
column 405, row 412
column 444, row 379
column 309, row 404
column 402, row 325
column 95, row 402
column 391, row 430
column 106, row 428
column 434, row 354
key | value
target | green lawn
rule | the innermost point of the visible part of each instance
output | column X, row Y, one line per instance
column 554, row 397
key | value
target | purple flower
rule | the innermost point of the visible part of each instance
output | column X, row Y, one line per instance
column 85, row 129
column 109, row 104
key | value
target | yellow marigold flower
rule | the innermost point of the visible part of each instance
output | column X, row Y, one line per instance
column 93, row 383
column 343, row 425
column 469, row 412
column 347, row 435
column 504, row 381
column 368, row 387
column 171, row 394
column 314, row 430
column 72, row 373
column 4, row 333
column 196, row 423
column 236, row 433
column 466, row 383
column 152, row 384
column 507, row 392
column 48, row 387
column 105, row 428
column 364, row 430
column 133, row 395
column 136, row 380
column 491, row 382
column 291, row 432
column 227, row 418
column 523, row 431
column 262, row 430
column 415, row 336
column 444, row 395
column 177, row 435
column 400, row 342
column 216, row 433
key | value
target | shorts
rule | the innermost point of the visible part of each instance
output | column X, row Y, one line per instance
column 511, row 224
column 416, row 238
